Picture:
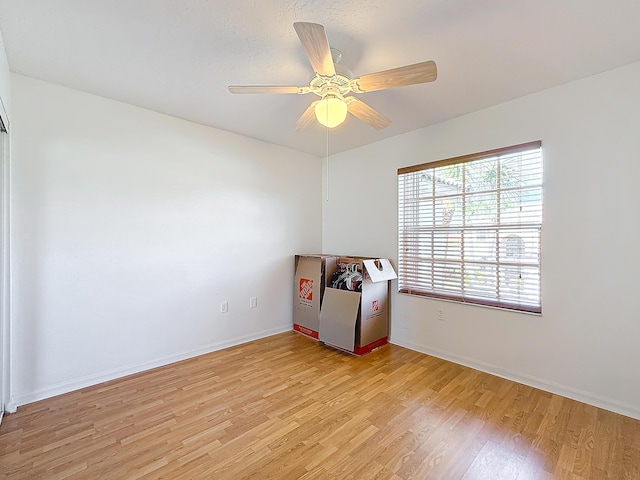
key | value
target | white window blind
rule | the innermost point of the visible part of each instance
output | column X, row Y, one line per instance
column 469, row 228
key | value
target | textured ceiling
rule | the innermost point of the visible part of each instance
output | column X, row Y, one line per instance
column 178, row 56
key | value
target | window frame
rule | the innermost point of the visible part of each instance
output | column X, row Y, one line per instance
column 409, row 278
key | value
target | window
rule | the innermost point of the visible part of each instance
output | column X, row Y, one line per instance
column 469, row 228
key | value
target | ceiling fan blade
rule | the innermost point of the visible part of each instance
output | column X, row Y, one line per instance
column 397, row 77
column 367, row 114
column 315, row 42
column 266, row 89
column 307, row 117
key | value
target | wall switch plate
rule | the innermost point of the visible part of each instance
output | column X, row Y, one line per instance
column 224, row 307
column 253, row 302
column 440, row 314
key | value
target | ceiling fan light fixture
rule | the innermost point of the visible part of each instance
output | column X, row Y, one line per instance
column 331, row 111
column 333, row 83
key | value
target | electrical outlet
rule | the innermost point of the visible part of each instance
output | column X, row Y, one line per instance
column 224, row 307
column 253, row 302
column 440, row 314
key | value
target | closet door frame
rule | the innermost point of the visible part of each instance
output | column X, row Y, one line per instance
column 5, row 310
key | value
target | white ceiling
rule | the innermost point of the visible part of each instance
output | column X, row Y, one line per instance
column 178, row 56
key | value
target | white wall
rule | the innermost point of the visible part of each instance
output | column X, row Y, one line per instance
column 128, row 230
column 5, row 84
column 586, row 343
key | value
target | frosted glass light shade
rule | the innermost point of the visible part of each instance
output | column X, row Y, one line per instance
column 331, row 111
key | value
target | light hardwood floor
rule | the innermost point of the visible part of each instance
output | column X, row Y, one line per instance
column 286, row 407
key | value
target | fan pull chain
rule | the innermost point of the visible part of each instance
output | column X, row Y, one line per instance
column 327, row 167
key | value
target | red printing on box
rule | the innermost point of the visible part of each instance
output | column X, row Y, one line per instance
column 306, row 289
column 372, row 346
column 306, row 331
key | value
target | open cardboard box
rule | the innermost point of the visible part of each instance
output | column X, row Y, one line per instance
column 358, row 322
column 311, row 272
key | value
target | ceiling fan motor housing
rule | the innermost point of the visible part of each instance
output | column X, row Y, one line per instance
column 337, row 84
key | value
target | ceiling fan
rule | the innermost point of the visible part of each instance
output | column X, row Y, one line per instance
column 334, row 86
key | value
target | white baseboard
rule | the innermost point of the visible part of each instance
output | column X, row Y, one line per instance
column 77, row 384
column 551, row 387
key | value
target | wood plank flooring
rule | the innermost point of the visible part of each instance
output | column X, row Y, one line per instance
column 286, row 407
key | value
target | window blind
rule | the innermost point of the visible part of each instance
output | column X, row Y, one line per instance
column 469, row 228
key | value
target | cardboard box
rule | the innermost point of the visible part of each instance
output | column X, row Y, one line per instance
column 311, row 273
column 358, row 322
